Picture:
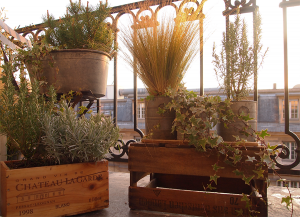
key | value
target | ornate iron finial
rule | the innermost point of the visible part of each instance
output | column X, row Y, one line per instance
column 244, row 5
column 146, row 20
column 190, row 12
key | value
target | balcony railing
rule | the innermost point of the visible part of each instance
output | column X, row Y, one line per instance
column 245, row 6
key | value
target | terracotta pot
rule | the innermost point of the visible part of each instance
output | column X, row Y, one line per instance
column 159, row 125
column 58, row 190
column 79, row 70
column 247, row 107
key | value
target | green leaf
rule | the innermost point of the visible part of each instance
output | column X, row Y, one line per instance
column 247, row 180
column 214, row 178
column 245, row 117
column 239, row 212
column 236, row 158
column 161, row 111
column 259, row 172
column 266, row 158
column 271, row 147
column 247, row 200
column 238, row 172
column 216, row 167
column 150, row 97
column 288, row 200
column 263, row 133
column 237, row 138
column 210, row 187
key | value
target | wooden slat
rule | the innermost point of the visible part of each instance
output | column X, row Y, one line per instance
column 8, row 42
column 140, row 144
column 14, row 33
column 136, row 176
column 152, row 184
column 176, row 142
column 185, row 161
column 3, row 187
column 186, row 142
column 184, row 182
column 186, row 202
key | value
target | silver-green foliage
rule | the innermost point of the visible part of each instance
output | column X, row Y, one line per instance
column 238, row 61
column 72, row 139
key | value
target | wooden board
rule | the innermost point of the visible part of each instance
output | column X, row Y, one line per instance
column 189, row 202
column 225, row 185
column 186, row 142
column 54, row 190
column 186, row 161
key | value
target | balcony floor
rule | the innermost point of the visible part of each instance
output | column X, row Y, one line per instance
column 118, row 193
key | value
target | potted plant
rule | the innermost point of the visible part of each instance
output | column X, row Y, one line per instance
column 162, row 52
column 61, row 171
column 235, row 67
column 85, row 44
column 202, row 174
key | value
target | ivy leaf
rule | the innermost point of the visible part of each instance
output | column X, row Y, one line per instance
column 287, row 200
column 259, row 172
column 216, row 167
column 239, row 212
column 271, row 146
column 251, row 159
column 229, row 147
column 236, row 158
column 71, row 93
column 225, row 125
column 245, row 117
column 213, row 142
column 228, row 162
column 237, row 138
column 150, row 97
column 247, row 180
column 202, row 143
column 246, row 199
column 211, row 187
column 161, row 111
column 263, row 133
column 238, row 173
column 214, row 178
column 266, row 158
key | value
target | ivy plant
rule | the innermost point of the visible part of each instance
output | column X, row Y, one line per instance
column 196, row 117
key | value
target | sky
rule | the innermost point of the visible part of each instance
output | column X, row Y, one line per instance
column 22, row 13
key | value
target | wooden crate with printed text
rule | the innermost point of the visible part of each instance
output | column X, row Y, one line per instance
column 178, row 174
column 59, row 190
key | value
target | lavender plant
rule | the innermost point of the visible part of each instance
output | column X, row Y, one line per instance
column 71, row 139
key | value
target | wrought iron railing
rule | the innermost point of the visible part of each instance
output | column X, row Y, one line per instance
column 245, row 6
column 284, row 5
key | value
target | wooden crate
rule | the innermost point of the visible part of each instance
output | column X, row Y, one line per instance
column 54, row 190
column 178, row 174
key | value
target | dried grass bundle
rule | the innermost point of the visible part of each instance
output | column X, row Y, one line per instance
column 162, row 50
